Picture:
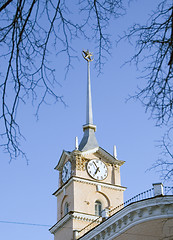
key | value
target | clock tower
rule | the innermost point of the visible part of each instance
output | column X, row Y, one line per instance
column 89, row 179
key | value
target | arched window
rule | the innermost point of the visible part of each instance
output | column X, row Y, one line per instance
column 98, row 208
column 66, row 208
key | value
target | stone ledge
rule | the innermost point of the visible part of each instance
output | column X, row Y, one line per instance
column 72, row 215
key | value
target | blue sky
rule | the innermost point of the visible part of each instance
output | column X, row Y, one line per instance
column 26, row 190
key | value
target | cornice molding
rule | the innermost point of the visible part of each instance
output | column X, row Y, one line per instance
column 84, row 217
column 135, row 213
column 103, row 184
column 110, row 157
column 91, row 182
column 102, row 152
column 62, row 159
column 60, row 223
column 73, row 215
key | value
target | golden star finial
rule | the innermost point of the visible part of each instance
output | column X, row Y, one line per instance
column 87, row 55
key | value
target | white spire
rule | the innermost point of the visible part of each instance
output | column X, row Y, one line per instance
column 89, row 140
column 89, row 113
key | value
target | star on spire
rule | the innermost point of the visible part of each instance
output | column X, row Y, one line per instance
column 87, row 55
column 89, row 139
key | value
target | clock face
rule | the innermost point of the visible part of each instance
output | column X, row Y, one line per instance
column 66, row 171
column 97, row 169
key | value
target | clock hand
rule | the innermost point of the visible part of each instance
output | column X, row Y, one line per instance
column 66, row 170
column 96, row 171
column 95, row 164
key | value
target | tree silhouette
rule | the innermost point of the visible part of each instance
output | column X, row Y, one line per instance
column 31, row 31
column 154, row 50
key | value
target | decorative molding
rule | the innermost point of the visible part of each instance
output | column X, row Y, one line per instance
column 62, row 187
column 133, row 214
column 84, row 217
column 109, row 157
column 87, row 181
column 60, row 223
column 73, row 215
column 80, row 163
column 62, row 159
column 103, row 184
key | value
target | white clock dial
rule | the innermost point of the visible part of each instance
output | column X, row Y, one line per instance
column 97, row 169
column 66, row 171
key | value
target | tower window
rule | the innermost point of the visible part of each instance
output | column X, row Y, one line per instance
column 98, row 208
column 66, row 208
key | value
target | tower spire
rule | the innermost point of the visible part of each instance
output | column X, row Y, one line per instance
column 89, row 114
column 89, row 140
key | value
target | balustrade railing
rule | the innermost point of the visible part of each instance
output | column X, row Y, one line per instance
column 168, row 190
column 141, row 196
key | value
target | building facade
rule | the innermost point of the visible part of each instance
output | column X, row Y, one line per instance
column 150, row 218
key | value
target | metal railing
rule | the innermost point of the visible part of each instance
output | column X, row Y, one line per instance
column 141, row 196
column 168, row 190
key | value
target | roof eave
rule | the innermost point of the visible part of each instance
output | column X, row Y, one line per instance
column 62, row 159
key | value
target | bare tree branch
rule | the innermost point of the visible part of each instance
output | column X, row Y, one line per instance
column 31, row 32
column 154, row 49
column 154, row 54
column 5, row 5
column 164, row 165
